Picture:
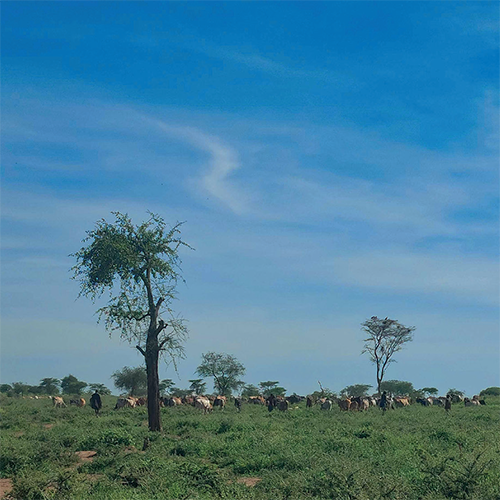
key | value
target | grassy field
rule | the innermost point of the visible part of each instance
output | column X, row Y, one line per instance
column 408, row 453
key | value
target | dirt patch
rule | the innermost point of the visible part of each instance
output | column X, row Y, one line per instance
column 5, row 487
column 94, row 477
column 48, row 426
column 18, row 434
column 249, row 481
column 86, row 456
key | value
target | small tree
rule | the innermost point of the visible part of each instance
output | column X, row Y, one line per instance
column 100, row 388
column 385, row 338
column 5, row 388
column 166, row 385
column 198, row 386
column 50, row 385
column 250, row 390
column 455, row 393
column 225, row 369
column 271, row 387
column 356, row 390
column 429, row 391
column 132, row 380
column 20, row 388
column 397, row 387
column 490, row 391
column 139, row 266
column 71, row 385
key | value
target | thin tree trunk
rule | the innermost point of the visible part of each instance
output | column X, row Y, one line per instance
column 152, row 355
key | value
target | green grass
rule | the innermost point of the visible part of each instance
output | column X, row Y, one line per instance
column 408, row 453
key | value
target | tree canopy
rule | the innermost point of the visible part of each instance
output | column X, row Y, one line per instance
column 197, row 386
column 131, row 380
column 250, row 390
column 225, row 369
column 397, row 387
column 271, row 387
column 139, row 265
column 356, row 390
column 100, row 388
column 490, row 391
column 385, row 338
column 432, row 391
column 50, row 385
column 71, row 385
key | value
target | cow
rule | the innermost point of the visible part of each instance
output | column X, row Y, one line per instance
column 400, row 402
column 423, row 401
column 257, row 400
column 437, row 402
column 471, row 402
column 58, row 402
column 283, row 405
column 203, row 403
column 141, row 402
column 294, row 399
column 309, row 401
column 327, row 405
column 344, row 404
column 188, row 400
column 220, row 401
column 125, row 403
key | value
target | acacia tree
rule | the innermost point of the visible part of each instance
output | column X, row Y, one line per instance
column 224, row 368
column 132, row 380
column 356, row 390
column 197, row 386
column 140, row 267
column 71, row 385
column 385, row 338
column 50, row 385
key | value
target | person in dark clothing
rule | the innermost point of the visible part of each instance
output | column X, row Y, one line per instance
column 383, row 401
column 96, row 403
column 271, row 402
column 237, row 404
column 447, row 403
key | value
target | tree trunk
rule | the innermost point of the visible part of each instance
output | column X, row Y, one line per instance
column 152, row 355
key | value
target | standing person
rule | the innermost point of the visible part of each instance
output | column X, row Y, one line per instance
column 447, row 403
column 96, row 403
column 237, row 404
column 383, row 401
column 271, row 402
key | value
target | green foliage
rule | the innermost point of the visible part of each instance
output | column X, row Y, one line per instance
column 397, row 387
column 357, row 390
column 225, row 369
column 429, row 391
column 71, row 385
column 50, row 386
column 5, row 388
column 166, row 386
column 20, row 388
column 385, row 338
column 455, row 392
column 197, row 386
column 490, row 391
column 416, row 453
column 132, row 380
column 271, row 387
column 250, row 390
column 100, row 388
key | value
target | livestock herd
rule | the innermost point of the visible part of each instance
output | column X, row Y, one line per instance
column 207, row 403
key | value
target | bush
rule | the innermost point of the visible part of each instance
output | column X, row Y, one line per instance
column 490, row 391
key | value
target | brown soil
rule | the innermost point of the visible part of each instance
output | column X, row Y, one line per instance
column 249, row 481
column 48, row 426
column 18, row 434
column 5, row 487
column 86, row 456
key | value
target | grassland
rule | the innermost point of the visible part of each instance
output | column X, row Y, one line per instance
column 408, row 453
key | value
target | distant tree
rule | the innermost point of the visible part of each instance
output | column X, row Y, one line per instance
column 165, row 386
column 429, row 391
column 250, row 390
column 357, row 390
column 132, row 380
column 71, row 385
column 455, row 392
column 397, row 387
column 35, row 389
column 198, row 386
column 5, row 388
column 100, row 388
column 20, row 388
column 385, row 338
column 179, row 393
column 140, row 267
column 225, row 369
column 271, row 387
column 490, row 391
column 50, row 386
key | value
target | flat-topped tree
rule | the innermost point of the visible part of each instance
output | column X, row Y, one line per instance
column 385, row 338
column 140, row 267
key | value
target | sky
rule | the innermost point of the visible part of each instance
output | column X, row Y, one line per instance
column 331, row 161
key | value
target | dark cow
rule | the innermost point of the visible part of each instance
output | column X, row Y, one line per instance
column 220, row 401
column 283, row 405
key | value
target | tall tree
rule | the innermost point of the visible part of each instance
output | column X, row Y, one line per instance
column 250, row 390
column 356, row 390
column 197, row 386
column 140, row 267
column 385, row 338
column 271, row 387
column 225, row 369
column 50, row 385
column 71, row 385
column 132, row 380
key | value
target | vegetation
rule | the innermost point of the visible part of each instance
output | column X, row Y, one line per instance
column 100, row 388
column 269, row 387
column 139, row 266
column 385, row 338
column 429, row 391
column 455, row 392
column 198, row 386
column 357, row 390
column 225, row 369
column 490, row 391
column 131, row 380
column 71, row 385
column 397, row 387
column 405, row 454
column 250, row 390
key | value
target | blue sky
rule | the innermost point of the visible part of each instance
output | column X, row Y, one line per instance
column 332, row 161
